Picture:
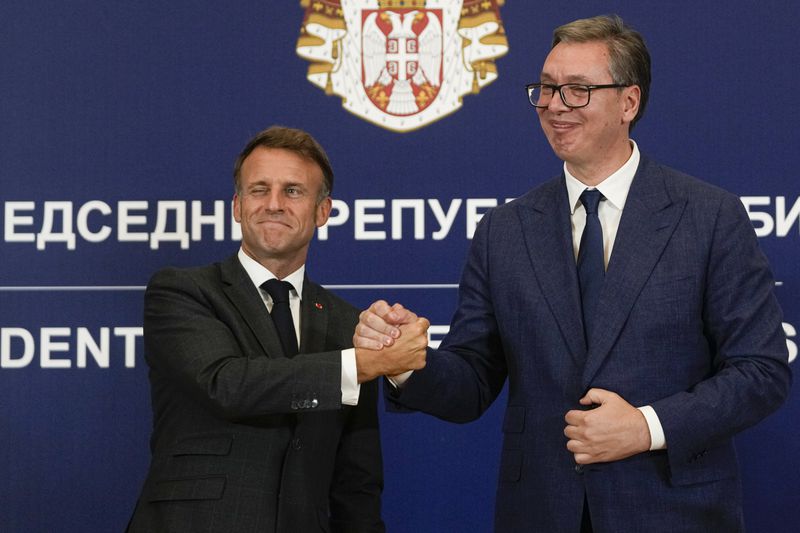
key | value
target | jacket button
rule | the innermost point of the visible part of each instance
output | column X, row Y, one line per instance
column 579, row 469
column 297, row 444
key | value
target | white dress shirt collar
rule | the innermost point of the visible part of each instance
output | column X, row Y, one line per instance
column 614, row 188
column 259, row 273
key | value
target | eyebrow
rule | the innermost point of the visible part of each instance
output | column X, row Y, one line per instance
column 270, row 183
column 570, row 79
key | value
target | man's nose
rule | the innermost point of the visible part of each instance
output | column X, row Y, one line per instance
column 274, row 200
column 556, row 103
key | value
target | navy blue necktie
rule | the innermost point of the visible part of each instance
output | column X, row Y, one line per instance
column 282, row 314
column 591, row 267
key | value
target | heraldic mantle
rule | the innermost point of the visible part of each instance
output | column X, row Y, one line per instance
column 405, row 64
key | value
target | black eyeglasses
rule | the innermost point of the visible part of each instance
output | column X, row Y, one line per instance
column 572, row 94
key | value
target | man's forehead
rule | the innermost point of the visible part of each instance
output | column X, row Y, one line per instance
column 278, row 163
column 576, row 62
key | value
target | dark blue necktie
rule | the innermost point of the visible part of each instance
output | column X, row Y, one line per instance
column 591, row 268
column 282, row 314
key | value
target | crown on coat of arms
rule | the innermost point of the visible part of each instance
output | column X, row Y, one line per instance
column 400, row 4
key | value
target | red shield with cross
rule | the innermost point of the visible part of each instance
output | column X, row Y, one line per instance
column 402, row 58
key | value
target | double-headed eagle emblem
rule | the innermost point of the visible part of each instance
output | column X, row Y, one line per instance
column 402, row 64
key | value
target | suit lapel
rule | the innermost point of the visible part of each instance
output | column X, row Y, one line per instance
column 244, row 296
column 547, row 229
column 313, row 318
column 648, row 221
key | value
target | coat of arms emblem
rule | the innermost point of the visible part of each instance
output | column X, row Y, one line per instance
column 402, row 64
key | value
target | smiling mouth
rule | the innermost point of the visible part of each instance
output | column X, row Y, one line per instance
column 270, row 221
column 560, row 126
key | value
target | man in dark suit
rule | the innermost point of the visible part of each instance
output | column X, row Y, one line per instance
column 627, row 382
column 249, row 434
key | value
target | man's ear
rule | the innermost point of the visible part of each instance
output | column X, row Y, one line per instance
column 323, row 211
column 631, row 99
column 237, row 208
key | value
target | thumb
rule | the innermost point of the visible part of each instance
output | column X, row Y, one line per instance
column 595, row 396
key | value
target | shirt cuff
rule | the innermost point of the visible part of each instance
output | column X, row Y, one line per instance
column 400, row 379
column 657, row 439
column 350, row 386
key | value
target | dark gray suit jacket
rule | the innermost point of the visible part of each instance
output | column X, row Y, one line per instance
column 245, row 439
column 687, row 322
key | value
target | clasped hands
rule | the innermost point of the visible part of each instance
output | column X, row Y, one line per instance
column 389, row 340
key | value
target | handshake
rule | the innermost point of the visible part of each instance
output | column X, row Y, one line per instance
column 389, row 341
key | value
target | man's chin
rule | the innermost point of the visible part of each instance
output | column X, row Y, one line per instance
column 562, row 151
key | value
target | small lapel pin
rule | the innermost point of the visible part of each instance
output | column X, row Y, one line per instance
column 318, row 305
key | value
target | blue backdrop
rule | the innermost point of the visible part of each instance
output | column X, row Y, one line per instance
column 119, row 124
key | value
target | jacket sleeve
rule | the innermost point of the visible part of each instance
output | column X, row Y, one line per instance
column 463, row 377
column 742, row 323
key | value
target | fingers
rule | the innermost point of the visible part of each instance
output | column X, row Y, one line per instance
column 571, row 432
column 581, row 451
column 392, row 314
column 584, row 459
column 574, row 417
column 400, row 315
column 372, row 331
column 581, row 434
column 378, row 326
column 577, row 437
column 380, row 308
column 372, row 334
column 417, row 332
column 414, row 341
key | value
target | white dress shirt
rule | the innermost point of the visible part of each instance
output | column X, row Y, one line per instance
column 258, row 275
column 615, row 192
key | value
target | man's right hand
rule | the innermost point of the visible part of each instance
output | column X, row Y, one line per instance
column 406, row 351
column 379, row 325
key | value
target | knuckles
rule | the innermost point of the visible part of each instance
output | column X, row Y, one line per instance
column 379, row 307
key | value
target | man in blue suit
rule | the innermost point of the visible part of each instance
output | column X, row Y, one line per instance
column 628, row 383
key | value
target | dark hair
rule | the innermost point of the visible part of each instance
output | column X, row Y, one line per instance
column 293, row 140
column 629, row 59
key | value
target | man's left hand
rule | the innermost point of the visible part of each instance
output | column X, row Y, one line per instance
column 612, row 431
